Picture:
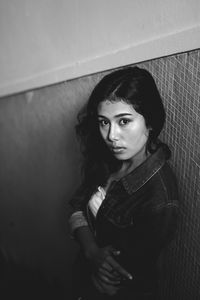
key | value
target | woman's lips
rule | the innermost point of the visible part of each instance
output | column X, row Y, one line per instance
column 117, row 149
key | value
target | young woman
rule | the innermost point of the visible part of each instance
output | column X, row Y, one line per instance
column 125, row 211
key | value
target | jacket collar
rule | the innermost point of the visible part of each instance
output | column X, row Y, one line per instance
column 143, row 173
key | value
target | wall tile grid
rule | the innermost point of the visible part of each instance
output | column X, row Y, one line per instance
column 178, row 79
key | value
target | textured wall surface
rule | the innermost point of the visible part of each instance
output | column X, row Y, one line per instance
column 178, row 79
column 39, row 158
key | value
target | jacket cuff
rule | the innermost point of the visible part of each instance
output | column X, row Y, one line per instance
column 77, row 220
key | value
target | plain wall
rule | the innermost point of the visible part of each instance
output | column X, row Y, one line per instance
column 45, row 41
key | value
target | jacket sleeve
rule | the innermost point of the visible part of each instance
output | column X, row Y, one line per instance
column 77, row 217
column 81, row 197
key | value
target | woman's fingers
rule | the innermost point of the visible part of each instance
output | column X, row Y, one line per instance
column 107, row 270
column 97, row 284
column 108, row 278
column 107, row 267
column 103, row 287
column 112, row 250
column 118, row 268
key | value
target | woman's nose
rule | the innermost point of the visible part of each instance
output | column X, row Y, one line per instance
column 113, row 133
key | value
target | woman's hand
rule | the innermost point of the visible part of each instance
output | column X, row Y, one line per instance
column 104, row 288
column 106, row 269
column 107, row 272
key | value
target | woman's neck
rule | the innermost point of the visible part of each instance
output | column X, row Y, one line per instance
column 129, row 165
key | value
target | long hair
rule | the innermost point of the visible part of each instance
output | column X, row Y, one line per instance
column 134, row 86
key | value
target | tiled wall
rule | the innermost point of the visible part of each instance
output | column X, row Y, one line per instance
column 178, row 79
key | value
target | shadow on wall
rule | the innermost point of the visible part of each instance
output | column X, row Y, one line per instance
column 40, row 169
column 18, row 281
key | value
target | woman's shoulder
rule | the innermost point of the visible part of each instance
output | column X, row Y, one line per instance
column 169, row 180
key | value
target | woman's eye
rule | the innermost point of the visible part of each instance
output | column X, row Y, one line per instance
column 124, row 121
column 103, row 123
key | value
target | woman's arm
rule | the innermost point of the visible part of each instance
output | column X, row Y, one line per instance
column 101, row 259
column 105, row 269
column 107, row 273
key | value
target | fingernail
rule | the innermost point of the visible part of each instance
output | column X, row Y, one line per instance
column 116, row 252
column 130, row 276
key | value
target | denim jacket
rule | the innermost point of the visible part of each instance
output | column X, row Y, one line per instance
column 138, row 216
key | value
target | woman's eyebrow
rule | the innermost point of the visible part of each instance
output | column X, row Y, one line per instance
column 117, row 116
column 123, row 115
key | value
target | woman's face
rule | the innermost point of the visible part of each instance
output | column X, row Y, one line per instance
column 123, row 130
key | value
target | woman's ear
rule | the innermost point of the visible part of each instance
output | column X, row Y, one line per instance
column 149, row 130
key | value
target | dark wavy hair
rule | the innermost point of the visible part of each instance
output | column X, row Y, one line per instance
column 134, row 86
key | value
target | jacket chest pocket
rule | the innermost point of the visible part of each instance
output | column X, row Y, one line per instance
column 119, row 210
column 121, row 221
